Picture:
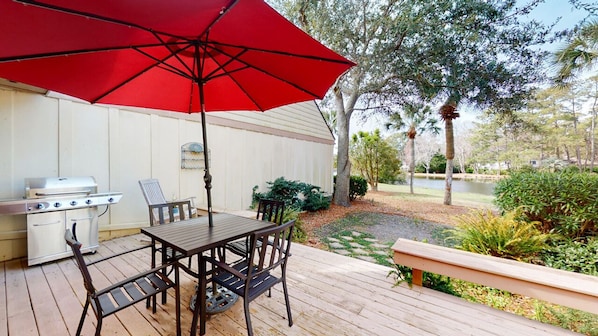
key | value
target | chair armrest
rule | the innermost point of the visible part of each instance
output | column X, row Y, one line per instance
column 118, row 254
column 190, row 199
column 172, row 203
column 226, row 267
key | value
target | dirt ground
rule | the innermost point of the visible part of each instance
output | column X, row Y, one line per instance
column 382, row 202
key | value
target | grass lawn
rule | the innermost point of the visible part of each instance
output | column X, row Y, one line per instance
column 436, row 195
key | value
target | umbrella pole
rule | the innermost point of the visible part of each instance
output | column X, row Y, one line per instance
column 207, row 178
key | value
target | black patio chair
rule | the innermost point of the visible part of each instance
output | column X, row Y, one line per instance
column 125, row 293
column 168, row 213
column 265, row 267
column 267, row 210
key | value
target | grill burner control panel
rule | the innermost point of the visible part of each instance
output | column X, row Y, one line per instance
column 38, row 205
column 45, row 205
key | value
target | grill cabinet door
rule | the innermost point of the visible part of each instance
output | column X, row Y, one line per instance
column 84, row 223
column 45, row 235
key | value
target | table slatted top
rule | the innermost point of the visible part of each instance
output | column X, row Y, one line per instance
column 193, row 236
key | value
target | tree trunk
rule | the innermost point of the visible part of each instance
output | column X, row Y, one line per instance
column 592, row 128
column 412, row 163
column 450, row 155
column 447, row 111
column 343, row 166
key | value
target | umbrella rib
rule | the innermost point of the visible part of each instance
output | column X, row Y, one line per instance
column 176, row 55
column 129, row 79
column 73, row 52
column 164, row 65
column 236, row 57
column 283, row 53
column 89, row 15
column 228, row 73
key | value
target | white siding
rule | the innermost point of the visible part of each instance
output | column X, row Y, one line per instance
column 49, row 136
column 299, row 118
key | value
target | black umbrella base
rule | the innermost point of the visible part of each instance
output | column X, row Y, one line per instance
column 216, row 303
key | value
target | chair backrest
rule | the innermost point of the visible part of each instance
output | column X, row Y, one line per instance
column 169, row 212
column 270, row 249
column 76, row 248
column 152, row 191
column 270, row 210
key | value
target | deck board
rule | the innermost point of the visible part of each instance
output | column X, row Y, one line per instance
column 330, row 295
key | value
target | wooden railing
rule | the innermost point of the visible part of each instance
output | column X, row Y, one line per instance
column 565, row 288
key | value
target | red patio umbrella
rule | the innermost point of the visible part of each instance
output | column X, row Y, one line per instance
column 178, row 55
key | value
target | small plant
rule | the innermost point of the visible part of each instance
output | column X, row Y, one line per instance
column 574, row 256
column 505, row 236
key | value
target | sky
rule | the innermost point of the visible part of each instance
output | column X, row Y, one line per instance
column 547, row 12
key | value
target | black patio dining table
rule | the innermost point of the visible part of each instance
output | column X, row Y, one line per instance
column 194, row 237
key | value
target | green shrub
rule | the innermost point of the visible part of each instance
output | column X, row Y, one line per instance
column 574, row 256
column 358, row 187
column 564, row 203
column 501, row 236
column 300, row 195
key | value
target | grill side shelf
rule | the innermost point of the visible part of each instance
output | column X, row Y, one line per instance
column 13, row 207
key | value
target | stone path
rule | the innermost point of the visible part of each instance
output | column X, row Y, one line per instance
column 366, row 250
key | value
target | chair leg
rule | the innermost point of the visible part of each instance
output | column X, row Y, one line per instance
column 99, row 327
column 164, row 260
column 286, row 301
column 177, row 299
column 147, row 302
column 247, row 317
column 83, row 316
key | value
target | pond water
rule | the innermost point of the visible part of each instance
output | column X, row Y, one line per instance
column 481, row 186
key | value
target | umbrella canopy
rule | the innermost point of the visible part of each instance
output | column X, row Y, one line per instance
column 179, row 55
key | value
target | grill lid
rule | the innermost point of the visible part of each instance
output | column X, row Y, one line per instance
column 42, row 187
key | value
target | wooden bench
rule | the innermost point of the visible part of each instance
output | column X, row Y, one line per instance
column 565, row 288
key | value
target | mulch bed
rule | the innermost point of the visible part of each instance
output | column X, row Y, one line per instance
column 381, row 202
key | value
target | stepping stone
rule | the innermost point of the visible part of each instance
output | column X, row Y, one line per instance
column 337, row 246
column 380, row 246
column 333, row 240
column 380, row 252
column 371, row 240
column 347, row 237
column 343, row 252
column 356, row 234
column 356, row 245
column 367, row 258
column 361, row 251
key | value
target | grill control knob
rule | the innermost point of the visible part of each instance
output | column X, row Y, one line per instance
column 57, row 205
column 111, row 200
column 40, row 206
column 88, row 201
column 73, row 203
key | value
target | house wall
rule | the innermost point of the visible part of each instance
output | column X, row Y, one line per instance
column 55, row 136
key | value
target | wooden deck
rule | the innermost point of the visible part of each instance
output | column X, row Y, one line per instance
column 330, row 295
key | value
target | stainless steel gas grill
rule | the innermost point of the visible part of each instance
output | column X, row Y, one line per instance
column 52, row 205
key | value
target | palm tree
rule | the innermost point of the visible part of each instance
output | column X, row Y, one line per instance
column 417, row 117
column 579, row 55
